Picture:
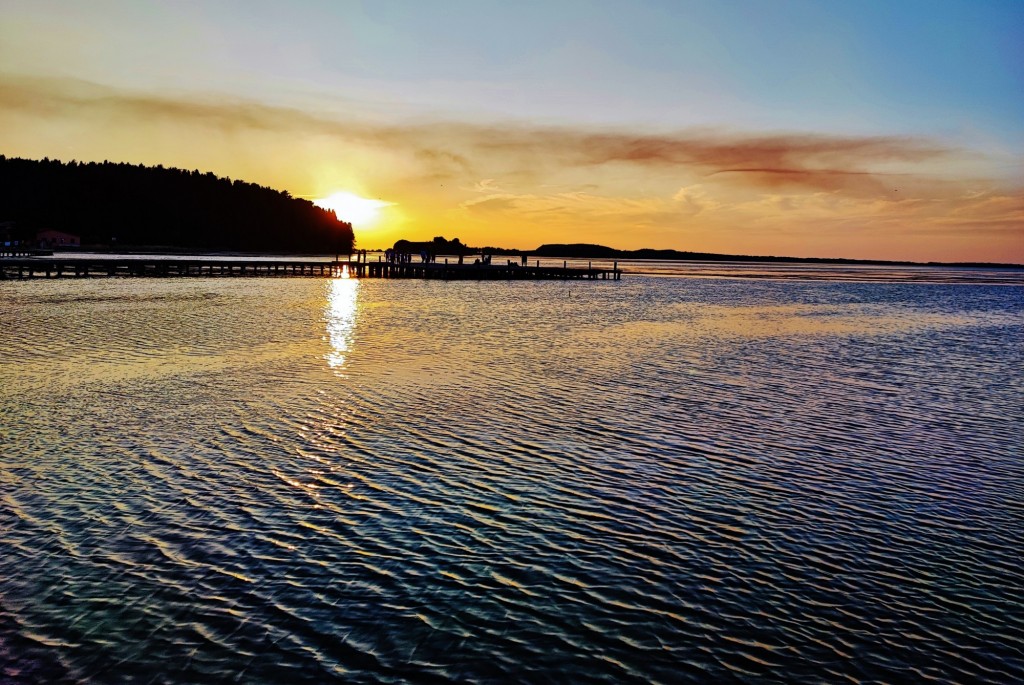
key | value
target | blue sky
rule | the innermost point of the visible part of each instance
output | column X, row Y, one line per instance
column 876, row 66
column 948, row 72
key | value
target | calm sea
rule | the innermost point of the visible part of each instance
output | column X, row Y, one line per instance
column 680, row 476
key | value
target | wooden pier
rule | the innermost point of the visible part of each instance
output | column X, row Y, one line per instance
column 22, row 251
column 80, row 267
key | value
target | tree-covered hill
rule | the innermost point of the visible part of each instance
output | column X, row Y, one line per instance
column 125, row 205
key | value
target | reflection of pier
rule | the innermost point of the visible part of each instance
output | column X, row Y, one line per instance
column 82, row 267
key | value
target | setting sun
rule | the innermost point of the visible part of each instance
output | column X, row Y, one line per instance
column 359, row 211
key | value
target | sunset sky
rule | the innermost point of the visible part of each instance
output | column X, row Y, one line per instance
column 888, row 130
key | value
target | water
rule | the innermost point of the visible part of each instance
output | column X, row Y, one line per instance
column 662, row 479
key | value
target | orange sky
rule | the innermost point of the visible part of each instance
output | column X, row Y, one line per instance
column 512, row 151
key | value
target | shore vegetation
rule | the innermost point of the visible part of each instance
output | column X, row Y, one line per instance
column 123, row 206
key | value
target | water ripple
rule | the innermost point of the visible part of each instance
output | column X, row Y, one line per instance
column 309, row 481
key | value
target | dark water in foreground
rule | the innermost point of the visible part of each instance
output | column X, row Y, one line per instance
column 653, row 480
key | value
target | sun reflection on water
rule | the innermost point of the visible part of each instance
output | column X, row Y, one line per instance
column 340, row 317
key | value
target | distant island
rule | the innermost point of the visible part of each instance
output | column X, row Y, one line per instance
column 587, row 251
column 123, row 206
column 443, row 246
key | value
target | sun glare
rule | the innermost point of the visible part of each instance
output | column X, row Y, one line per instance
column 358, row 211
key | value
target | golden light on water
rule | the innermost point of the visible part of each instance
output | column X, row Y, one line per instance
column 340, row 317
column 361, row 212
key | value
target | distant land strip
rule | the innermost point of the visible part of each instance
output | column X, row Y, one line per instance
column 442, row 245
column 587, row 251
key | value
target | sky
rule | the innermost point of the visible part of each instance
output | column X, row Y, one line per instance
column 827, row 128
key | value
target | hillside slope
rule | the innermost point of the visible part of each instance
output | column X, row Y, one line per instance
column 114, row 204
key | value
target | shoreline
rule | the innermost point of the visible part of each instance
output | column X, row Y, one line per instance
column 616, row 255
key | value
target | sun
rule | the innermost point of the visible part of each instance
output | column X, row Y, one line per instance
column 358, row 211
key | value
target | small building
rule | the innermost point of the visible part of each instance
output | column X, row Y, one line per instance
column 50, row 239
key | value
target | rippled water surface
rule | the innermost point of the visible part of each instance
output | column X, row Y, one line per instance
column 660, row 479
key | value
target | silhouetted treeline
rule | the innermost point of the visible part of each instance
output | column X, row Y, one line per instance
column 455, row 246
column 125, row 205
column 439, row 245
column 576, row 250
column 586, row 251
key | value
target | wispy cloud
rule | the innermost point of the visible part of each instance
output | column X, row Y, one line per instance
column 819, row 162
column 717, row 186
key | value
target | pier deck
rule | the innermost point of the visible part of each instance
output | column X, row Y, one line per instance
column 42, row 267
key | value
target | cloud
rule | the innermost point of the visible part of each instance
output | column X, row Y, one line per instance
column 486, row 185
column 495, row 203
column 718, row 188
column 817, row 179
column 805, row 160
column 693, row 200
column 574, row 207
column 859, row 165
